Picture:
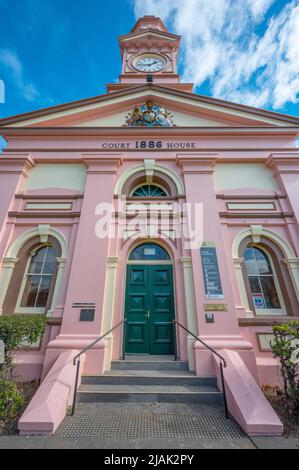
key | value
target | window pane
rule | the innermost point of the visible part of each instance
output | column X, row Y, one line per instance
column 250, row 261
column 249, row 253
column 37, row 261
column 50, row 261
column 263, row 263
column 270, row 292
column 149, row 251
column 30, row 291
column 43, row 291
column 255, row 285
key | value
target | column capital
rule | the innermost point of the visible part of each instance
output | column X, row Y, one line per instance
column 112, row 261
column 284, row 163
column 292, row 262
column 61, row 262
column 9, row 263
column 197, row 163
column 186, row 261
column 238, row 262
column 101, row 163
column 17, row 163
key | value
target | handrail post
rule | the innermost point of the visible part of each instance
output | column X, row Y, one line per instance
column 124, row 338
column 175, row 341
column 224, row 391
column 75, row 388
column 76, row 360
column 222, row 363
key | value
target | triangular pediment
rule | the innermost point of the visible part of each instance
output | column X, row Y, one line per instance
column 149, row 35
column 188, row 109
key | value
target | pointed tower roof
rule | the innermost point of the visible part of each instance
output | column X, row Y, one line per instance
column 149, row 22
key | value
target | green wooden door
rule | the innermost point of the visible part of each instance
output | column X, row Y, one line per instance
column 149, row 310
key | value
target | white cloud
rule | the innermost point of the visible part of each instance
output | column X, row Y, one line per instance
column 259, row 7
column 2, row 91
column 231, row 46
column 14, row 70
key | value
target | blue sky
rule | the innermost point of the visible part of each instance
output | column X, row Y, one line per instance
column 55, row 51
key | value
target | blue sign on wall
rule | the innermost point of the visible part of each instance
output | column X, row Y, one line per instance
column 211, row 273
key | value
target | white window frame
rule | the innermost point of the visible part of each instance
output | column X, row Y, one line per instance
column 29, row 310
column 268, row 311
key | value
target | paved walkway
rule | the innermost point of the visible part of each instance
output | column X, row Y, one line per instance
column 147, row 426
column 35, row 442
column 160, row 422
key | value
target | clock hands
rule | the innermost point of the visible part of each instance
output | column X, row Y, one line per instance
column 149, row 64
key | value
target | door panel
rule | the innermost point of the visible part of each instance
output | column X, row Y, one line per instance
column 161, row 310
column 149, row 310
column 137, row 326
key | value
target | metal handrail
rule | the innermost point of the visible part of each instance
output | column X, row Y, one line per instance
column 222, row 363
column 77, row 360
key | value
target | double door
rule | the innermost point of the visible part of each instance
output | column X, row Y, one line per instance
column 149, row 310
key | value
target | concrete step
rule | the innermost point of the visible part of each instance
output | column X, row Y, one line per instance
column 148, row 377
column 149, row 365
column 149, row 357
column 149, row 394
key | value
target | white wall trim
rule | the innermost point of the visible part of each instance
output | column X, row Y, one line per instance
column 255, row 232
column 42, row 231
column 149, row 167
column 190, row 307
column 108, row 308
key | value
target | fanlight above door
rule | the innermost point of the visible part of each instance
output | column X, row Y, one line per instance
column 149, row 190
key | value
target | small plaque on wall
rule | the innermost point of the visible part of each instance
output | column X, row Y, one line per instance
column 265, row 340
column 211, row 273
column 216, row 307
column 87, row 314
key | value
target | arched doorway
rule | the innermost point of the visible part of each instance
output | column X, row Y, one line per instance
column 149, row 304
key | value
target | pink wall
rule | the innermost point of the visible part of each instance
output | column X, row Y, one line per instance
column 84, row 277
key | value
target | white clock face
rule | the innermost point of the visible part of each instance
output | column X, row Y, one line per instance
column 149, row 63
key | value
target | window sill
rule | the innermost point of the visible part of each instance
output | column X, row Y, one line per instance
column 30, row 311
column 266, row 321
column 270, row 313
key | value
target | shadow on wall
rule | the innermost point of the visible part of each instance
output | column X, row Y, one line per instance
column 3, row 144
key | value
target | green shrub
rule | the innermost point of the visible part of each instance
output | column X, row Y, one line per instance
column 284, row 347
column 11, row 400
column 17, row 329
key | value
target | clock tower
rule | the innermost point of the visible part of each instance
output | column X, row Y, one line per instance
column 149, row 55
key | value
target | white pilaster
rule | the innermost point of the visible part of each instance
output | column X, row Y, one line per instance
column 108, row 309
column 59, row 278
column 293, row 267
column 8, row 265
column 190, row 307
column 238, row 262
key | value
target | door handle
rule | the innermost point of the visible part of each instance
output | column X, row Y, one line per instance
column 148, row 314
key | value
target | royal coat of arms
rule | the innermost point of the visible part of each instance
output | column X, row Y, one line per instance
column 149, row 115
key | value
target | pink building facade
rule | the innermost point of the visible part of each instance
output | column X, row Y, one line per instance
column 150, row 180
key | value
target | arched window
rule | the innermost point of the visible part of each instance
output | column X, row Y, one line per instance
column 38, row 280
column 149, row 252
column 149, row 190
column 264, row 286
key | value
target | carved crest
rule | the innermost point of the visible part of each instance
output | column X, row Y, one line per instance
column 149, row 115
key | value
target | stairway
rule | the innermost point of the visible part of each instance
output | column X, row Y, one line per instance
column 149, row 381
column 149, row 401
